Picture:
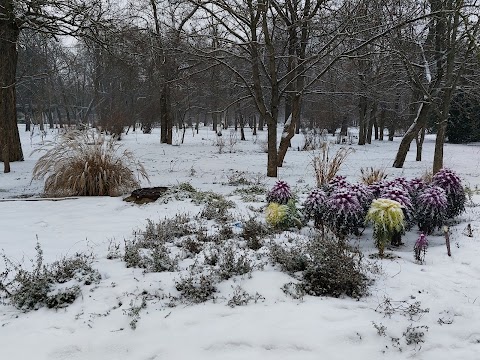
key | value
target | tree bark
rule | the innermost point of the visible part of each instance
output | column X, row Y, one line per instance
column 272, row 170
column 10, row 146
column 419, row 140
column 411, row 133
column 439, row 142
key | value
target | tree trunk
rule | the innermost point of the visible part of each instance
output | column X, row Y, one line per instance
column 166, row 121
column 381, row 124
column 10, row 146
column 411, row 133
column 419, row 140
column 254, row 125
column 261, row 121
column 289, row 129
column 272, row 170
column 362, row 108
column 439, row 142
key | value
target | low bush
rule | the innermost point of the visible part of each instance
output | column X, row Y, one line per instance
column 54, row 285
column 196, row 288
column 328, row 267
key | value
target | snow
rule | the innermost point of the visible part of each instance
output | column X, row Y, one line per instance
column 96, row 326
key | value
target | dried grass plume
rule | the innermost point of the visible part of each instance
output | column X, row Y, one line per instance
column 86, row 164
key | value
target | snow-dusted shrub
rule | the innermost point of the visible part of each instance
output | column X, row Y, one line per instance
column 449, row 181
column 83, row 165
column 388, row 221
column 196, row 288
column 314, row 205
column 431, row 208
column 420, row 248
column 253, row 232
column 280, row 193
column 232, row 262
column 54, row 285
column 328, row 266
column 282, row 216
column 344, row 214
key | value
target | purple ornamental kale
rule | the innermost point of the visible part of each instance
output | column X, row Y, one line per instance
column 314, row 205
column 337, row 182
column 363, row 193
column 400, row 182
column 420, row 248
column 377, row 188
column 431, row 208
column 416, row 185
column 449, row 181
column 343, row 212
column 280, row 193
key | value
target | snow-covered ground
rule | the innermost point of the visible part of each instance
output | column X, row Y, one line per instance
column 96, row 326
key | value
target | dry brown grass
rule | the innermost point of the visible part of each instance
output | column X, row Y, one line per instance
column 427, row 176
column 372, row 175
column 325, row 167
column 85, row 164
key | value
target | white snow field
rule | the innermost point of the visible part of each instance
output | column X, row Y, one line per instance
column 97, row 325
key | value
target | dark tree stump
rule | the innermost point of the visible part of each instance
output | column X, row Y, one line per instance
column 146, row 195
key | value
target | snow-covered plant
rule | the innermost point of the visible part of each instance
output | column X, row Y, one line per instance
column 337, row 182
column 372, row 175
column 343, row 212
column 82, row 164
column 282, row 216
column 326, row 168
column 416, row 185
column 401, row 195
column 314, row 205
column 388, row 221
column 420, row 248
column 431, row 208
column 377, row 188
column 449, row 181
column 400, row 182
column 363, row 193
column 280, row 193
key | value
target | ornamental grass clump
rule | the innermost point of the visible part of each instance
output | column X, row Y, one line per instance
column 280, row 193
column 314, row 206
column 431, row 208
column 388, row 222
column 449, row 181
column 82, row 164
column 401, row 195
column 343, row 212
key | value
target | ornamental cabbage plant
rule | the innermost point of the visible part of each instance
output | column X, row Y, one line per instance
column 449, row 181
column 388, row 222
column 280, row 193
column 431, row 208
